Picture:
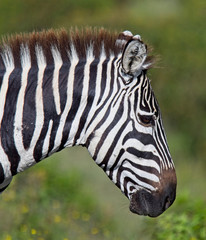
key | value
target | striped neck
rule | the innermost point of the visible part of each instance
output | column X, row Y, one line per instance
column 52, row 104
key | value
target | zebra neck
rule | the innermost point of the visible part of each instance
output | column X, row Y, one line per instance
column 51, row 89
column 48, row 107
column 89, row 91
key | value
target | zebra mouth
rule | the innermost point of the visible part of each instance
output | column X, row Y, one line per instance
column 150, row 204
column 138, row 203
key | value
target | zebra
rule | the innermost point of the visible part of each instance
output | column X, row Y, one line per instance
column 85, row 87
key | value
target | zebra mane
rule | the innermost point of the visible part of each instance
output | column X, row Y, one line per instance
column 62, row 40
column 81, row 40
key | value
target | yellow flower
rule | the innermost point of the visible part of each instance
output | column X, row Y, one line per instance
column 24, row 209
column 33, row 231
column 8, row 237
column 94, row 231
column 57, row 219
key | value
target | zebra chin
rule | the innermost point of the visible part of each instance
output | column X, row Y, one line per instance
column 152, row 204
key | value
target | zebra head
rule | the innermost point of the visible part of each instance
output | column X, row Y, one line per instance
column 128, row 141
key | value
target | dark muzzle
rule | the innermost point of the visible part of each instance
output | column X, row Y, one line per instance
column 152, row 203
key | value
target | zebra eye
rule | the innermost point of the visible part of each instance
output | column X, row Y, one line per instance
column 147, row 120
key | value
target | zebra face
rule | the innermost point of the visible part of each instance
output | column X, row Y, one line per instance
column 130, row 144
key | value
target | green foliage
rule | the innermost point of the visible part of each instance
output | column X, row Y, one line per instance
column 57, row 200
column 187, row 222
column 52, row 204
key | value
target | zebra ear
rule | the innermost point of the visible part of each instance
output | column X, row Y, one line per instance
column 134, row 56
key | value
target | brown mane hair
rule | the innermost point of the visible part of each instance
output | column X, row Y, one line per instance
column 81, row 39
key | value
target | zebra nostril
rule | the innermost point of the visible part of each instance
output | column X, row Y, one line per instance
column 167, row 204
column 170, row 196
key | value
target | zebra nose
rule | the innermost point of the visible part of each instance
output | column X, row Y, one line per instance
column 143, row 202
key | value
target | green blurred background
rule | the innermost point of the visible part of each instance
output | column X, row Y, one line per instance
column 67, row 196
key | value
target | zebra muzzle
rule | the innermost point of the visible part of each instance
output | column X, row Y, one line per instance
column 152, row 204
